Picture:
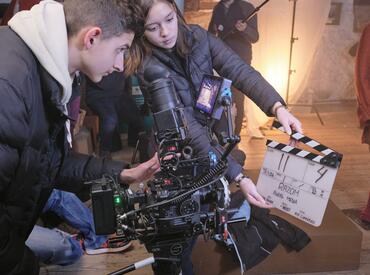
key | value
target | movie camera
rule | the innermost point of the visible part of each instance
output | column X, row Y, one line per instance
column 188, row 197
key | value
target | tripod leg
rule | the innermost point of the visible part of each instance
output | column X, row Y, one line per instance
column 318, row 115
column 134, row 266
column 160, row 266
column 165, row 267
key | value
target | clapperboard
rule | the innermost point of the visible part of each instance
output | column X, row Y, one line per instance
column 296, row 181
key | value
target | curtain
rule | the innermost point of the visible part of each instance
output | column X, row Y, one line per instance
column 271, row 52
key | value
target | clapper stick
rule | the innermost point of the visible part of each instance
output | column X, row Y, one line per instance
column 331, row 157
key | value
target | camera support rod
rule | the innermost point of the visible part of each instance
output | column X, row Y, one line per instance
column 232, row 139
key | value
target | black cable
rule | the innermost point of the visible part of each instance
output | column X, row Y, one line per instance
column 220, row 166
column 175, row 198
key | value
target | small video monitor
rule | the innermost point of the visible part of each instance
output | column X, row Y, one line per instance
column 208, row 94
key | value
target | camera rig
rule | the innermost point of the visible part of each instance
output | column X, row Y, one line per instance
column 187, row 198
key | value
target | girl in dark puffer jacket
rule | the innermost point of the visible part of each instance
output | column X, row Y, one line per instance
column 188, row 52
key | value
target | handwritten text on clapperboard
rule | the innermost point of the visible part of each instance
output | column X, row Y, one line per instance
column 296, row 185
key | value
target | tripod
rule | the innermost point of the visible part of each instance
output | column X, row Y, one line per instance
column 293, row 38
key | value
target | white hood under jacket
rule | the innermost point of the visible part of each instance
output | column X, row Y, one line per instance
column 43, row 29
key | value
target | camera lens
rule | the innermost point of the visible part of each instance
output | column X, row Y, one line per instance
column 163, row 96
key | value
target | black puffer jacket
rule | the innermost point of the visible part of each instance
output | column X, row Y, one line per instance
column 208, row 53
column 34, row 154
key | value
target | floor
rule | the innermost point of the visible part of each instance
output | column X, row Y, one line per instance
column 351, row 189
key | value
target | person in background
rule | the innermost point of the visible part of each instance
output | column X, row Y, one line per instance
column 41, row 51
column 362, row 81
column 111, row 100
column 226, row 23
column 188, row 52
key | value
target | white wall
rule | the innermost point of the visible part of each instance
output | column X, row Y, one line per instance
column 331, row 76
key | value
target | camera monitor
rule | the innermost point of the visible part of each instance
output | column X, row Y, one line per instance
column 208, row 94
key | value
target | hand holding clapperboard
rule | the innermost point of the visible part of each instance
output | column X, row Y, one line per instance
column 296, row 181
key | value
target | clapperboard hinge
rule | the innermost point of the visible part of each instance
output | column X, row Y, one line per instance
column 330, row 157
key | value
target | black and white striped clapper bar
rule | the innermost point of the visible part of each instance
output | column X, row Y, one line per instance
column 296, row 181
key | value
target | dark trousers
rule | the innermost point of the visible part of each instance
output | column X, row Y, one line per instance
column 112, row 111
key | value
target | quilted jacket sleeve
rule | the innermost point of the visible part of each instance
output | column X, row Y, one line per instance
column 244, row 77
column 78, row 168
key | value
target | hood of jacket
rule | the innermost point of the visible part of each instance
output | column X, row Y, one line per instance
column 43, row 29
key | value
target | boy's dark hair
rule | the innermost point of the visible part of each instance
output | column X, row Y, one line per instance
column 114, row 17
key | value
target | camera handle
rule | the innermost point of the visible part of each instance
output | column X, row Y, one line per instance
column 229, row 138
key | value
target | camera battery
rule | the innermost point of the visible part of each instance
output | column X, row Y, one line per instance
column 103, row 208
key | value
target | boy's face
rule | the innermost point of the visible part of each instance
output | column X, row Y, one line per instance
column 105, row 55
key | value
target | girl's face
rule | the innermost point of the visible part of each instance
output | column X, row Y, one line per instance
column 161, row 26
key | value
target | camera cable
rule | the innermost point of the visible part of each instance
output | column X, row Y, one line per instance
column 173, row 199
column 237, row 253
